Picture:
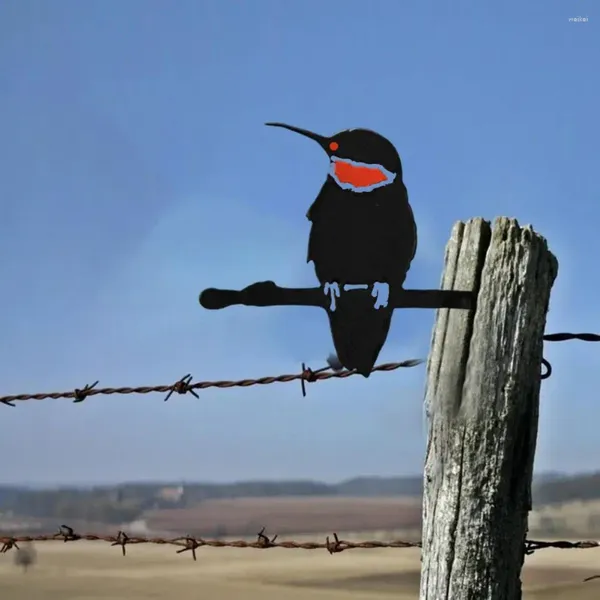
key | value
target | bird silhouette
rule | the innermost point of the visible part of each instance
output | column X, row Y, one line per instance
column 362, row 241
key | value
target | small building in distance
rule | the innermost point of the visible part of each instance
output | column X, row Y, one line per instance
column 171, row 494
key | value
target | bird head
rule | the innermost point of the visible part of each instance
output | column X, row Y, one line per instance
column 360, row 159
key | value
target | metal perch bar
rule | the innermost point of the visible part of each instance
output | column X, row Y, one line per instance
column 267, row 293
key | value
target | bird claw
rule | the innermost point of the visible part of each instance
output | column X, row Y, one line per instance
column 333, row 291
column 381, row 293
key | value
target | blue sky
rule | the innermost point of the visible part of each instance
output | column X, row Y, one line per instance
column 135, row 170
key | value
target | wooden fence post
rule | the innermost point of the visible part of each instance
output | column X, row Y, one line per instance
column 482, row 401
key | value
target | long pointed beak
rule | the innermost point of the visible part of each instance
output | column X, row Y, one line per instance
column 320, row 139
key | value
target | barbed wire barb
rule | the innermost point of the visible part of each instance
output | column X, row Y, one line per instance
column 191, row 544
column 80, row 395
column 67, row 534
column 122, row 540
column 183, row 386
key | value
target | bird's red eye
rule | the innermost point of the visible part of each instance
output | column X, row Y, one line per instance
column 334, row 146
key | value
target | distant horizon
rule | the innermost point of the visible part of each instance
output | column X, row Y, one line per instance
column 175, row 482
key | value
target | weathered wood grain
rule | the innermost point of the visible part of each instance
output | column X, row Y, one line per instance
column 482, row 400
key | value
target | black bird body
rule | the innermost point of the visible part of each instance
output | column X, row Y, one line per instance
column 361, row 237
column 359, row 240
column 363, row 234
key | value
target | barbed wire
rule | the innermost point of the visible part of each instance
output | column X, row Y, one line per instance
column 188, row 543
column 185, row 386
column 333, row 544
column 564, row 337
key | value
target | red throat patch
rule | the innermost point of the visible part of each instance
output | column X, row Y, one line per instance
column 358, row 176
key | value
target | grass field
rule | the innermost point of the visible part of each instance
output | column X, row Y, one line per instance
column 90, row 571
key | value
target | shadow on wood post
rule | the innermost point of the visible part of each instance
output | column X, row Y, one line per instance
column 482, row 402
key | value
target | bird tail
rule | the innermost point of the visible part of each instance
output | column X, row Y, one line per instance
column 359, row 332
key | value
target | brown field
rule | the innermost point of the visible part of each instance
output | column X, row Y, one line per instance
column 93, row 571
column 245, row 516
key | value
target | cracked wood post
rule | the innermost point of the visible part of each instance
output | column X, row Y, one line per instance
column 482, row 401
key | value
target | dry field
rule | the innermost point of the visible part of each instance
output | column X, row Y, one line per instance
column 245, row 516
column 93, row 571
column 581, row 519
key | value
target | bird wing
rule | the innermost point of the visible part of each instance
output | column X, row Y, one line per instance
column 414, row 228
column 311, row 238
column 312, row 214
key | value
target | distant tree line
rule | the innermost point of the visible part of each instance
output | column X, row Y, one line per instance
column 124, row 503
column 562, row 489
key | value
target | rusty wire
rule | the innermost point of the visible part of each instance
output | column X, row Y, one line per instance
column 307, row 375
column 333, row 545
column 185, row 385
column 189, row 543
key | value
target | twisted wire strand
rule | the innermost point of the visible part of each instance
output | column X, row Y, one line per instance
column 185, row 385
column 332, row 544
column 307, row 375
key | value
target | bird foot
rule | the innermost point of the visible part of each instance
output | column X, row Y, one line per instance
column 381, row 293
column 333, row 291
